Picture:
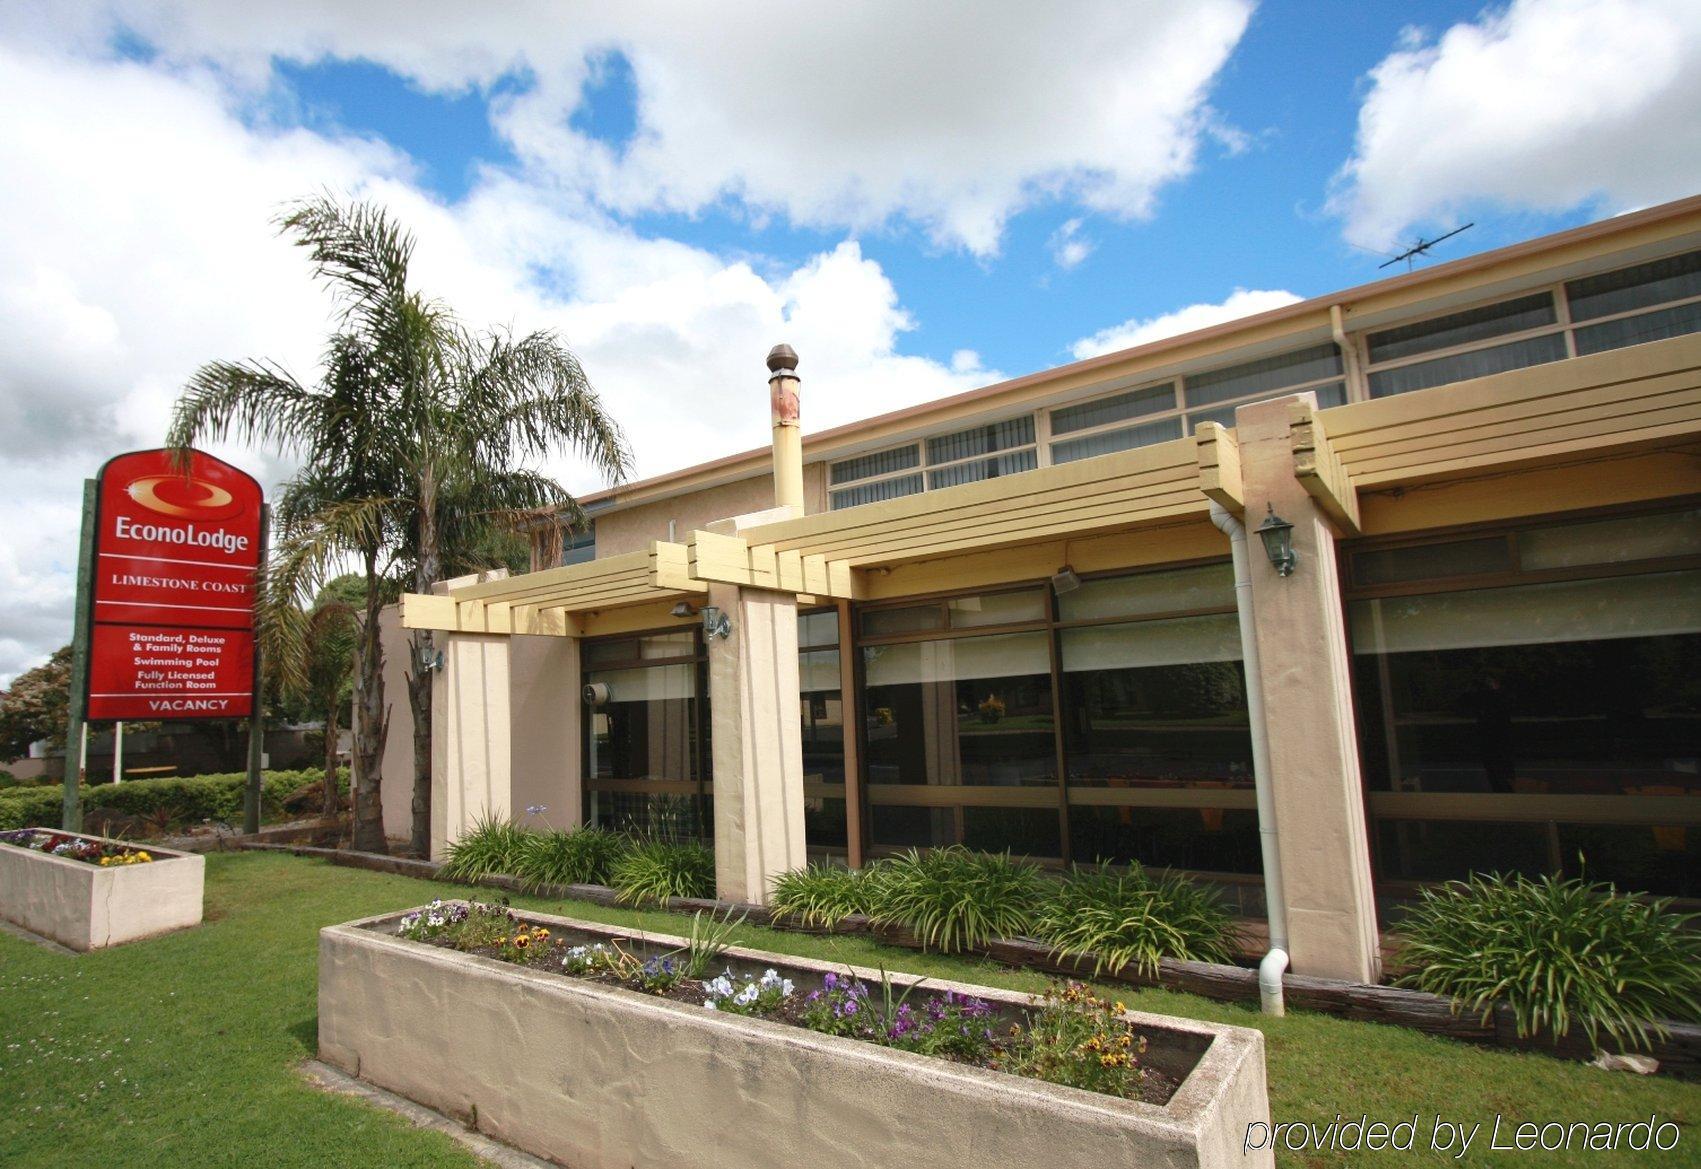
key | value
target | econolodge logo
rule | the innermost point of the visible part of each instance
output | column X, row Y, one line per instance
column 183, row 497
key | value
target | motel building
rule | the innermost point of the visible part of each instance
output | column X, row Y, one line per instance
column 1377, row 589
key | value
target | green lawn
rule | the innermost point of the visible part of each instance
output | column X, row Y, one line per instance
column 181, row 1051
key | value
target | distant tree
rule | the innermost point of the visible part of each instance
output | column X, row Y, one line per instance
column 36, row 706
column 333, row 632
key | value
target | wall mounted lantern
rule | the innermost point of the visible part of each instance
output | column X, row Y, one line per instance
column 1277, row 535
column 430, row 659
column 715, row 622
column 1065, row 580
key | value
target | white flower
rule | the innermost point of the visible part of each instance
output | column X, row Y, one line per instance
column 746, row 996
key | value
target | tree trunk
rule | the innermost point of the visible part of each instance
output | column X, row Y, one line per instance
column 419, row 698
column 371, row 721
column 426, row 572
column 331, row 805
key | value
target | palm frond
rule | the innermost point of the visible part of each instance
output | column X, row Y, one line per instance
column 251, row 401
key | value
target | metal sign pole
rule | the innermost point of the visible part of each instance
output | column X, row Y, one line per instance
column 256, row 714
column 71, row 817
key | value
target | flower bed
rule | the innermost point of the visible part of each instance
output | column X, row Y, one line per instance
column 596, row 1047
column 87, row 892
column 88, row 849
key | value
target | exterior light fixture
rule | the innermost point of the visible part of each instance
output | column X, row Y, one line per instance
column 1277, row 535
column 430, row 659
column 684, row 609
column 715, row 622
column 1065, row 580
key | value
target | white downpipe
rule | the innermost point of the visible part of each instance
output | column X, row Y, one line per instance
column 1276, row 961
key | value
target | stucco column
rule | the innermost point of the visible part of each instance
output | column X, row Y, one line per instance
column 545, row 729
column 1308, row 711
column 471, row 758
column 758, row 742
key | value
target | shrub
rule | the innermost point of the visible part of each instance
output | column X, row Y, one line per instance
column 582, row 856
column 822, row 895
column 1560, row 952
column 492, row 846
column 170, row 799
column 656, row 869
column 954, row 899
column 29, row 807
column 1130, row 917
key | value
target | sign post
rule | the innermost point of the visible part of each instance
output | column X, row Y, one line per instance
column 71, row 814
column 257, row 719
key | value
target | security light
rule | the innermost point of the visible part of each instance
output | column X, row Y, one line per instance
column 1277, row 535
column 1065, row 580
column 684, row 609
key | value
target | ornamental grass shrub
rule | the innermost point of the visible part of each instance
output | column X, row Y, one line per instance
column 1560, row 952
column 953, row 899
column 492, row 847
column 652, row 870
column 823, row 894
column 1133, row 918
column 579, row 856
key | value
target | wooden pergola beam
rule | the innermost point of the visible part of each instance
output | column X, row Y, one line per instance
column 1219, row 466
column 1319, row 469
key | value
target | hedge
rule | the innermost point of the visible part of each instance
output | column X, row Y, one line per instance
column 188, row 799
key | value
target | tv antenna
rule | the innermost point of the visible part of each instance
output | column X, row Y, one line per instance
column 1421, row 248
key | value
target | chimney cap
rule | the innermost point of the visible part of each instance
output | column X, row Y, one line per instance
column 781, row 356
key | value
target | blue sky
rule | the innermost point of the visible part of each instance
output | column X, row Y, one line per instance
column 1248, row 218
column 920, row 198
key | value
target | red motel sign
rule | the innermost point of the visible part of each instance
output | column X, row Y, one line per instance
column 176, row 551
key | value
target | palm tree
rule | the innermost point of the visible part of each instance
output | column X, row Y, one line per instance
column 422, row 438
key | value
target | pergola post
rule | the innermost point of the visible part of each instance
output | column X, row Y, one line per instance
column 471, row 757
column 1308, row 702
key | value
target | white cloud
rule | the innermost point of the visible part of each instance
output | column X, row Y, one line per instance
column 142, row 247
column 834, row 115
column 1546, row 105
column 1241, row 302
column 1068, row 246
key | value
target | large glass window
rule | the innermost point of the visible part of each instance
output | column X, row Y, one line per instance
column 822, row 714
column 961, row 739
column 646, row 736
column 963, row 743
column 1155, row 706
column 1557, row 712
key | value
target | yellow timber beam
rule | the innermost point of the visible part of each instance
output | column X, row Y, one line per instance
column 1219, row 466
column 733, row 560
column 1317, row 467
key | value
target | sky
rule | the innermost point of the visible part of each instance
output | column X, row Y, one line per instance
column 920, row 199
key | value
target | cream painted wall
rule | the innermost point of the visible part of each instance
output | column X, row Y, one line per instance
column 632, row 529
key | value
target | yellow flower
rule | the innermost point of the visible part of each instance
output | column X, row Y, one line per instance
column 521, row 941
column 540, row 933
column 1120, row 1008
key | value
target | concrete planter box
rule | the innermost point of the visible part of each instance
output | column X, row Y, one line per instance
column 600, row 1077
column 87, row 907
